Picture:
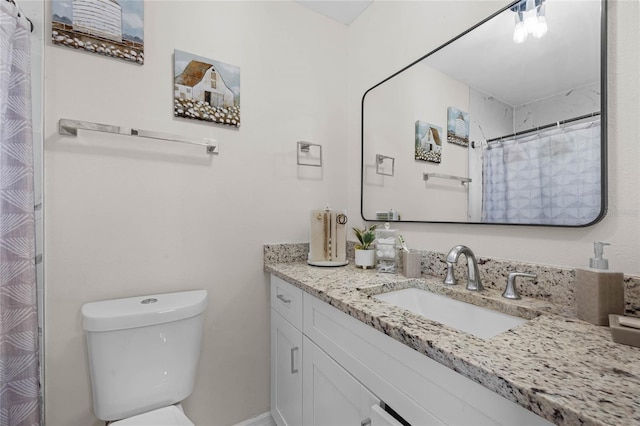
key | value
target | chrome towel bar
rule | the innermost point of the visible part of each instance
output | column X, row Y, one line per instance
column 70, row 128
column 462, row 180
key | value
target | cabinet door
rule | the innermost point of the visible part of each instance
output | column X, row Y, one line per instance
column 331, row 396
column 286, row 372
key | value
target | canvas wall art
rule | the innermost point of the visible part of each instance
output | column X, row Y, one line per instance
column 113, row 28
column 457, row 127
column 428, row 145
column 206, row 89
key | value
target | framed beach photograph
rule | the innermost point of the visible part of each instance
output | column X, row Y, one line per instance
column 428, row 145
column 104, row 27
column 206, row 89
column 457, row 126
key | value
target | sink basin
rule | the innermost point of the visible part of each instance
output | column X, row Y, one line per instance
column 472, row 319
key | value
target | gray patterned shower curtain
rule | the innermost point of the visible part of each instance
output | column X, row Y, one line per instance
column 19, row 369
column 551, row 177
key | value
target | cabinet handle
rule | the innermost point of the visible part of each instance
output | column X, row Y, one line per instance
column 294, row 370
column 284, row 299
column 365, row 422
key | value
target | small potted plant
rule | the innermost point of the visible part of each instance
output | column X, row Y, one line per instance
column 365, row 254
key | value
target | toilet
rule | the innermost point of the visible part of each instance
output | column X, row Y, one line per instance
column 143, row 356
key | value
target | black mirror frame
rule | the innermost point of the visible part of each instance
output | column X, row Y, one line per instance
column 603, row 126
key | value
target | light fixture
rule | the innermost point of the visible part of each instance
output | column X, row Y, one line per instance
column 530, row 19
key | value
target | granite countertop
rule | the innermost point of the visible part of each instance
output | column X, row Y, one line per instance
column 563, row 369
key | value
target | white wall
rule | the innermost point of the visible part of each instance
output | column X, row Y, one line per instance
column 128, row 216
column 390, row 35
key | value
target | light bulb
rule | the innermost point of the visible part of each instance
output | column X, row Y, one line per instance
column 530, row 21
column 519, row 33
column 541, row 27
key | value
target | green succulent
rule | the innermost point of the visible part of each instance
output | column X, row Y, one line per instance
column 366, row 236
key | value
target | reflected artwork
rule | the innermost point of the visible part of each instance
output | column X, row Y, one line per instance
column 428, row 143
column 457, row 127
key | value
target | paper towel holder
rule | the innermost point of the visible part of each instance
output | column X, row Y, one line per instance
column 305, row 154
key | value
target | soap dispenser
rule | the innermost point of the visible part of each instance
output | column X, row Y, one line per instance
column 598, row 291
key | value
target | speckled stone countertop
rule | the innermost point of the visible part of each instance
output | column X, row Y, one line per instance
column 563, row 369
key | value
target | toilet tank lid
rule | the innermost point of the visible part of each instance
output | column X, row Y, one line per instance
column 141, row 311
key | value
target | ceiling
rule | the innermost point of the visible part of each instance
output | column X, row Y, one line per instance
column 343, row 11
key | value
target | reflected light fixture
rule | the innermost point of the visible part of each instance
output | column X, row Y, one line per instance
column 529, row 19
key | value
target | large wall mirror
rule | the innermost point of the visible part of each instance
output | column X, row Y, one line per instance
column 505, row 124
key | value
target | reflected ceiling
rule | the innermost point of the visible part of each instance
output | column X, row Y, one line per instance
column 494, row 39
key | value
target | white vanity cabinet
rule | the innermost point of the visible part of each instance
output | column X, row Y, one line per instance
column 348, row 368
column 286, row 353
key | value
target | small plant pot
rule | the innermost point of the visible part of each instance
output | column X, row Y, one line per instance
column 365, row 258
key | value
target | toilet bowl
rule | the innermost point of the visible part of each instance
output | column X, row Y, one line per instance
column 143, row 354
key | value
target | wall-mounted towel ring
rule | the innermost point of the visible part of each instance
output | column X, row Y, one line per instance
column 309, row 154
column 385, row 165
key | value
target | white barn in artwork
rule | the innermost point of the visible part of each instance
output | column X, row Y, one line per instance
column 102, row 18
column 201, row 82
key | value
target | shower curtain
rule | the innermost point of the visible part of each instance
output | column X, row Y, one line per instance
column 19, row 369
column 550, row 177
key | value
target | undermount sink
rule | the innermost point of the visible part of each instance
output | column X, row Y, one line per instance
column 472, row 319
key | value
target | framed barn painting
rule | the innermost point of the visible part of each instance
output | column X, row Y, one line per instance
column 206, row 89
column 457, row 126
column 428, row 143
column 113, row 28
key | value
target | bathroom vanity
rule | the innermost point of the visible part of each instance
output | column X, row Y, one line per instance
column 337, row 352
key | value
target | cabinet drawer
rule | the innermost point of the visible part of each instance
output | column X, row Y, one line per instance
column 286, row 299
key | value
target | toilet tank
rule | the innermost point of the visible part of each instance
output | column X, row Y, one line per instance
column 143, row 351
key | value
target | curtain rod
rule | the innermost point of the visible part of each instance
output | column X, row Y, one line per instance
column 546, row 126
column 30, row 23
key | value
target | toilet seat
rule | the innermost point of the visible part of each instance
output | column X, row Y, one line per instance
column 166, row 416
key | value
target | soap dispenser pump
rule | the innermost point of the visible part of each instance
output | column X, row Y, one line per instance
column 598, row 262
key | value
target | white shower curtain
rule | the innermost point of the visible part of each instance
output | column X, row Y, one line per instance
column 19, row 370
column 551, row 177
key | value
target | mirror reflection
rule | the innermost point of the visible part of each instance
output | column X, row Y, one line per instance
column 502, row 125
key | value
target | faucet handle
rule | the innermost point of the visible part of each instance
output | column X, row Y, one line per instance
column 511, row 292
column 450, row 278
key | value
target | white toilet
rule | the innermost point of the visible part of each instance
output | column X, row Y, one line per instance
column 143, row 356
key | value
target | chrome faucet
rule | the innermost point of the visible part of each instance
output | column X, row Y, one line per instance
column 473, row 281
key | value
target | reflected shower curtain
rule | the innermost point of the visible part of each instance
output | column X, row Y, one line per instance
column 19, row 375
column 551, row 177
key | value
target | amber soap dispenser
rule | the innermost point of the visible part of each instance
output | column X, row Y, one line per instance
column 599, row 292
